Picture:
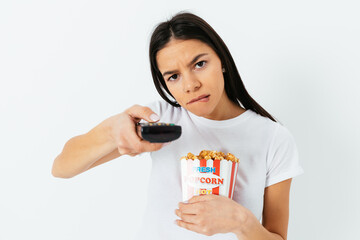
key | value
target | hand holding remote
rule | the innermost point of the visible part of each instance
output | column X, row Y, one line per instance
column 123, row 131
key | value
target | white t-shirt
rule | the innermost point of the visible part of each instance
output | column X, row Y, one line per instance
column 267, row 154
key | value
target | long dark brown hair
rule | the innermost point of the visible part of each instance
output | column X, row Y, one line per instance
column 184, row 26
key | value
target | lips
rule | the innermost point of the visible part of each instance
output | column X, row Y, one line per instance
column 199, row 98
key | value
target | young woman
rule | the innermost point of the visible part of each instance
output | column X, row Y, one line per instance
column 195, row 74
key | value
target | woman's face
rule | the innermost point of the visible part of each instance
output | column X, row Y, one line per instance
column 191, row 69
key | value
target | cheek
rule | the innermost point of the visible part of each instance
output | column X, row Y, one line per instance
column 175, row 91
column 217, row 82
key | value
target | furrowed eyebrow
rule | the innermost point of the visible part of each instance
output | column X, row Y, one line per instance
column 191, row 63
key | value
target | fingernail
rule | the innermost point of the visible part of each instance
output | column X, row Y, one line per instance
column 154, row 117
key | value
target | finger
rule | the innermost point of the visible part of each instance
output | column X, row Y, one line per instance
column 134, row 137
column 201, row 198
column 190, row 218
column 151, row 147
column 138, row 112
column 189, row 208
column 138, row 130
column 145, row 146
column 180, row 213
column 205, row 230
column 140, row 145
column 188, row 226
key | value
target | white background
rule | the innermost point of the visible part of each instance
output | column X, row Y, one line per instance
column 67, row 65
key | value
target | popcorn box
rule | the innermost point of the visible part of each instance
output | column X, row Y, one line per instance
column 211, row 172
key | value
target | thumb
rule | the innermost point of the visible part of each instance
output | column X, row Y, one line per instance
column 153, row 117
column 141, row 112
column 150, row 116
column 201, row 198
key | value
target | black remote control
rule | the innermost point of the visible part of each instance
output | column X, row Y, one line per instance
column 159, row 132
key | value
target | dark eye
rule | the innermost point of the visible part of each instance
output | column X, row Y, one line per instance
column 200, row 64
column 169, row 79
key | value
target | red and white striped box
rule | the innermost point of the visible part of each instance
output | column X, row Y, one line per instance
column 212, row 176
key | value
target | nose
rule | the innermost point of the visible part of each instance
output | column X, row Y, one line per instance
column 190, row 83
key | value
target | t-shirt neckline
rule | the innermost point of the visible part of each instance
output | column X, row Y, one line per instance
column 221, row 123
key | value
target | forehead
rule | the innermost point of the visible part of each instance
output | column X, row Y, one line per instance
column 181, row 51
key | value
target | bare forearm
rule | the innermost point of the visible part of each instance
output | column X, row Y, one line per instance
column 261, row 234
column 80, row 152
column 253, row 230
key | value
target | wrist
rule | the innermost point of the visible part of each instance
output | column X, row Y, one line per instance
column 102, row 136
column 106, row 128
column 247, row 227
column 241, row 220
column 253, row 230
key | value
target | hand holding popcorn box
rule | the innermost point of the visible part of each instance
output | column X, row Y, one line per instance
column 211, row 172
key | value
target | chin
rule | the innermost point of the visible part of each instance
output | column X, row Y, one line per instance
column 201, row 112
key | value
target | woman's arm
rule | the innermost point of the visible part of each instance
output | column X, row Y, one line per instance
column 211, row 214
column 82, row 151
column 275, row 215
column 112, row 138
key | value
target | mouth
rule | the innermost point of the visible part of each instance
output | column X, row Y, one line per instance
column 202, row 98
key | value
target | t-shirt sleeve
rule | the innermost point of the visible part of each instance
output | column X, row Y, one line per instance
column 283, row 159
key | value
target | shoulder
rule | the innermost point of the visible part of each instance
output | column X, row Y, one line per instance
column 275, row 133
column 282, row 134
column 282, row 156
column 265, row 125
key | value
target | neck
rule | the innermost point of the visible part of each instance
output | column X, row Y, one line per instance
column 226, row 111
